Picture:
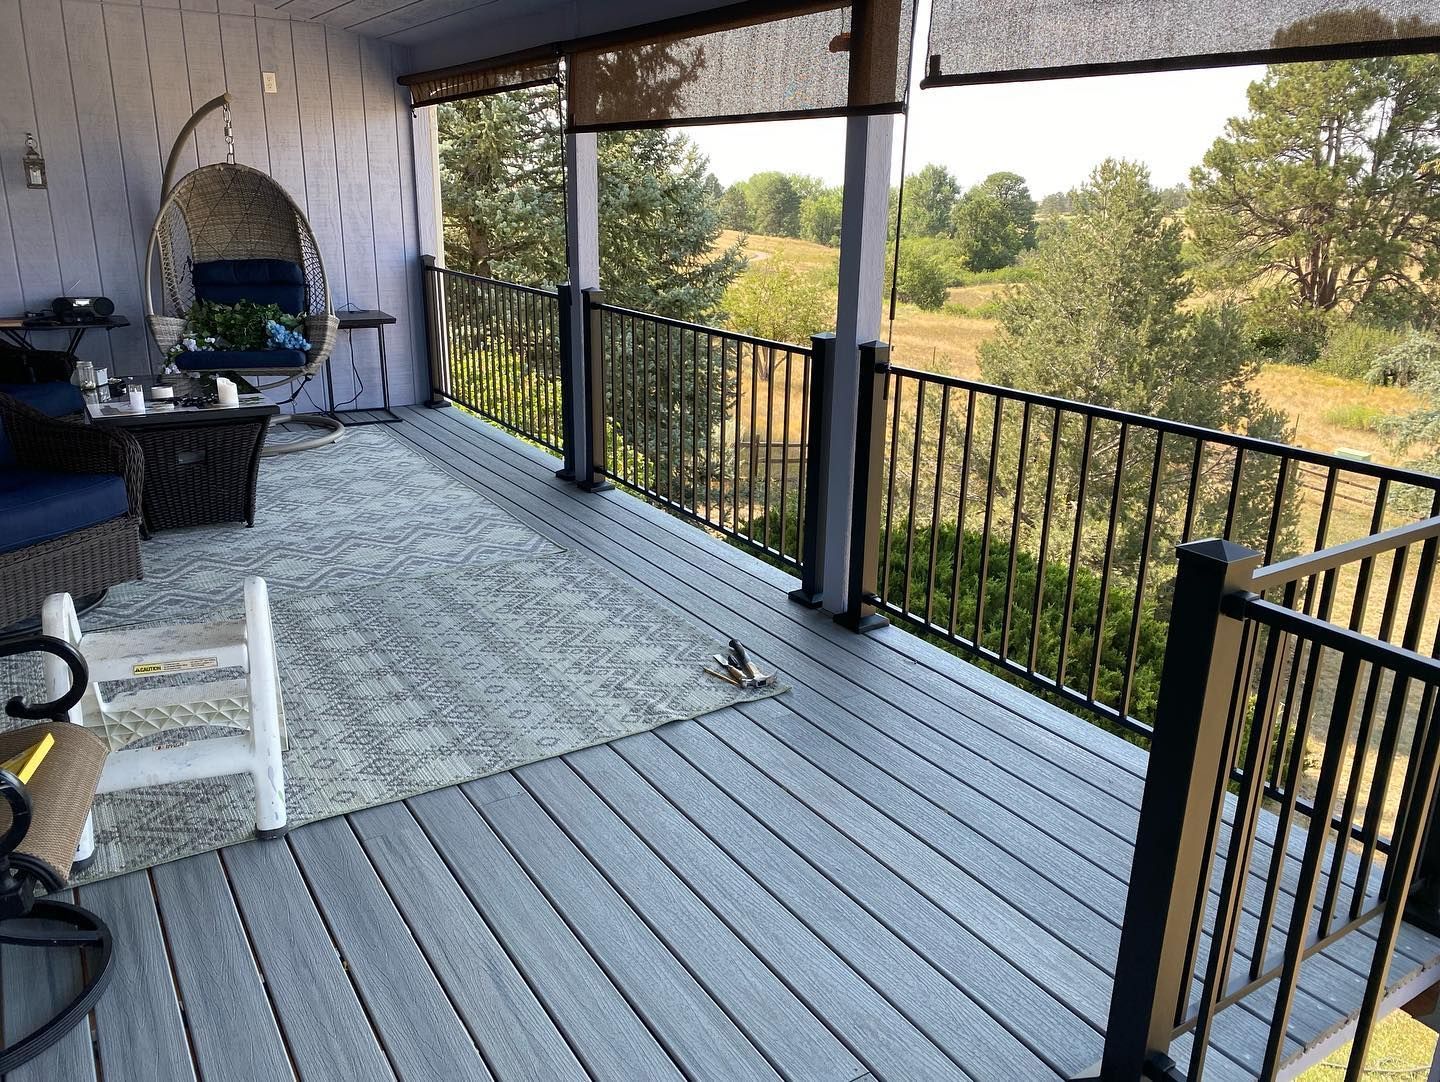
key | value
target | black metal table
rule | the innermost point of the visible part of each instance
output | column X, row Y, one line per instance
column 356, row 321
column 201, row 462
column 15, row 329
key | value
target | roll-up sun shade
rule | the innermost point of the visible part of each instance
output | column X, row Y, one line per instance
column 989, row 41
column 748, row 63
column 495, row 76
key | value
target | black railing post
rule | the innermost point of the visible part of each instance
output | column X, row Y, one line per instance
column 863, row 576
column 569, row 437
column 590, row 457
column 822, row 367
column 432, row 288
column 1197, row 683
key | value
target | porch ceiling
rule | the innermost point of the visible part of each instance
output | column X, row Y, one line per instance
column 444, row 32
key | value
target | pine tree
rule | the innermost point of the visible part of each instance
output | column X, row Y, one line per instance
column 1330, row 187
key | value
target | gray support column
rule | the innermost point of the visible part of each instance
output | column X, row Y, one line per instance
column 582, row 260
column 868, row 144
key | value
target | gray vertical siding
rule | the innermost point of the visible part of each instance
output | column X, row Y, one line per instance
column 105, row 87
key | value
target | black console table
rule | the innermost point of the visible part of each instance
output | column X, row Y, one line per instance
column 361, row 415
column 15, row 329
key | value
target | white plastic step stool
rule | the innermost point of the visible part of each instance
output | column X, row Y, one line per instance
column 250, row 702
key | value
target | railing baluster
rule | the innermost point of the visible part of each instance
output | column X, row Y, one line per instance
column 959, row 555
column 995, row 427
column 897, row 395
column 1102, row 609
column 937, row 495
column 785, row 407
column 914, row 492
column 1069, row 607
column 1137, row 610
column 1338, row 735
column 1015, row 521
column 1038, row 606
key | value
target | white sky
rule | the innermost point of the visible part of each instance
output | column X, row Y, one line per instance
column 1050, row 133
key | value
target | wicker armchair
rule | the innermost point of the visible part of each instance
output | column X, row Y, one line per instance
column 47, row 457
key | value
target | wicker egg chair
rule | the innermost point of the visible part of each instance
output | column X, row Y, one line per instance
column 229, row 212
column 228, row 232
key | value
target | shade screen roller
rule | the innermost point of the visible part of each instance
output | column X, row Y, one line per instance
column 768, row 66
column 983, row 41
column 479, row 80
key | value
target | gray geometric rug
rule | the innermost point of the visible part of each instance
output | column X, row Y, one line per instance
column 361, row 510
column 424, row 639
column 409, row 686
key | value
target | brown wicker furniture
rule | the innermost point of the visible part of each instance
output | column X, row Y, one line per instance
column 82, row 561
column 201, row 462
column 41, row 821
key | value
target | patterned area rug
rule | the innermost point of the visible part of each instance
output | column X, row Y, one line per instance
column 363, row 510
column 396, row 681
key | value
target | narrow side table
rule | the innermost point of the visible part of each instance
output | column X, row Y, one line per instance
column 360, row 415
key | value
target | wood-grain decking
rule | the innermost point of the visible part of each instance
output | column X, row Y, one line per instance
column 904, row 869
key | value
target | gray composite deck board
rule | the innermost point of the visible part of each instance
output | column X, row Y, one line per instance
column 1066, row 756
column 903, row 868
column 327, row 1033
column 606, row 1032
column 702, row 1039
column 487, row 990
column 30, row 981
column 232, row 1028
column 411, row 1014
column 138, row 1029
column 775, row 1018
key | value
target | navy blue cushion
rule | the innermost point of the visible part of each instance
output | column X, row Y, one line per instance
column 264, row 281
column 52, row 397
column 240, row 360
column 36, row 505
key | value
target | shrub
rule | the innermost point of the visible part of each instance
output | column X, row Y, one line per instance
column 1120, row 608
column 1280, row 332
column 922, row 281
column 1352, row 348
column 1355, row 415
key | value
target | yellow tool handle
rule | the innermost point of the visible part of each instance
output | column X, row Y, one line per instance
column 24, row 765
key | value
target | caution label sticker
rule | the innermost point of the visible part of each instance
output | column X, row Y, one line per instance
column 187, row 664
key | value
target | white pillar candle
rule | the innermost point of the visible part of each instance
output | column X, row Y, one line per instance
column 225, row 388
column 137, row 401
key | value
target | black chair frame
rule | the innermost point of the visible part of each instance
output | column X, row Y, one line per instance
column 57, row 924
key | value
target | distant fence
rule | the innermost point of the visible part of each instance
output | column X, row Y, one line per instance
column 499, row 352
column 710, row 424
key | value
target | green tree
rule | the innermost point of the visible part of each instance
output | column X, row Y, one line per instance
column 781, row 303
column 1329, row 186
column 1108, row 320
column 930, row 196
column 994, row 222
column 502, row 186
column 775, row 204
column 820, row 216
column 734, row 207
column 502, row 189
column 922, row 280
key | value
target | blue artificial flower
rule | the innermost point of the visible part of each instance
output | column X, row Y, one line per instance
column 282, row 337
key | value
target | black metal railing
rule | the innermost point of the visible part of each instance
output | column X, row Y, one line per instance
column 1037, row 533
column 496, row 351
column 710, row 424
column 1230, row 898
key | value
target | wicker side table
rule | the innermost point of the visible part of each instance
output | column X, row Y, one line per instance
column 201, row 463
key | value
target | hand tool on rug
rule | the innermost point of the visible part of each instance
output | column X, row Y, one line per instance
column 737, row 668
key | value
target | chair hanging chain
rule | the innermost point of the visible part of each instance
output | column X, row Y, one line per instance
column 229, row 137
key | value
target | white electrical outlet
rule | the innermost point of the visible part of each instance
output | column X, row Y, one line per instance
column 268, row 78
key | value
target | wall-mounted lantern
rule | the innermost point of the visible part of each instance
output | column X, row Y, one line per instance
column 34, row 163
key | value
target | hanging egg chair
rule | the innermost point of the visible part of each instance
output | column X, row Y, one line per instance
column 227, row 233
